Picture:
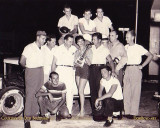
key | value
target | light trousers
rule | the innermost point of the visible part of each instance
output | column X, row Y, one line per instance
column 67, row 76
column 132, row 89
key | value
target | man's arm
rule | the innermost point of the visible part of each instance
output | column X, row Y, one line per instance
column 98, row 104
column 109, row 58
column 23, row 61
column 85, row 31
column 74, row 30
column 60, row 103
column 109, row 94
column 123, row 60
column 54, row 66
column 149, row 58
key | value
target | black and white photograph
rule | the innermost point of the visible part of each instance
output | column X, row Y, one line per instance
column 79, row 63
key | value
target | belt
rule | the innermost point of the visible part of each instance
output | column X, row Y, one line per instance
column 133, row 65
column 65, row 65
column 97, row 65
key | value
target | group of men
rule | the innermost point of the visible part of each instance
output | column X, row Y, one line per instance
column 50, row 74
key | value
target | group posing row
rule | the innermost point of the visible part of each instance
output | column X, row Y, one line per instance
column 96, row 63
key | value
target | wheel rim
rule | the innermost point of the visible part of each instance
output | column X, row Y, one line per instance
column 12, row 102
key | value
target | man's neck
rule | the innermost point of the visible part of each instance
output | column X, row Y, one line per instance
column 67, row 47
column 38, row 44
column 68, row 16
column 98, row 45
column 108, row 78
column 100, row 18
column 131, row 43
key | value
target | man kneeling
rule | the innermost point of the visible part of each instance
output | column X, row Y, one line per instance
column 51, row 99
column 112, row 99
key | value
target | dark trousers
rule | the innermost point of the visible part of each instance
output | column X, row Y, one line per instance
column 109, row 106
column 94, row 82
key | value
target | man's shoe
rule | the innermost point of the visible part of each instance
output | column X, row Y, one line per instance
column 45, row 120
column 69, row 116
column 108, row 123
column 27, row 124
column 119, row 117
column 58, row 117
column 130, row 116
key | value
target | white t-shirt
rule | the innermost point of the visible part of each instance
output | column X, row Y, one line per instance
column 103, row 26
column 64, row 56
column 87, row 26
column 108, row 84
column 63, row 21
column 99, row 54
column 135, row 53
column 48, row 57
column 34, row 56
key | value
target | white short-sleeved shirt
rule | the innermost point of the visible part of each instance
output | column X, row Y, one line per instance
column 103, row 26
column 87, row 26
column 63, row 21
column 99, row 54
column 108, row 84
column 65, row 56
column 48, row 56
column 135, row 53
column 34, row 56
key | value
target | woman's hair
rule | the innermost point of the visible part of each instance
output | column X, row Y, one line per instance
column 78, row 38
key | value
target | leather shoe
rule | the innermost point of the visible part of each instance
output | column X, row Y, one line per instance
column 108, row 123
column 119, row 117
column 27, row 124
column 69, row 116
column 45, row 120
column 58, row 117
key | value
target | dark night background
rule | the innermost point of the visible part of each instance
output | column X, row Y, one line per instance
column 20, row 19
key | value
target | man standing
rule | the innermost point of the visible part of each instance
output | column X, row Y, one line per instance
column 133, row 75
column 32, row 60
column 48, row 51
column 101, row 56
column 103, row 23
column 118, row 54
column 63, row 62
column 55, row 102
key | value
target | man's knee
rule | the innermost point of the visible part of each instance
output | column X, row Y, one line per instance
column 64, row 113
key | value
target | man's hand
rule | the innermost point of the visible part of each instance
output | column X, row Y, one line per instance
column 50, row 97
column 140, row 67
column 114, row 74
column 98, row 104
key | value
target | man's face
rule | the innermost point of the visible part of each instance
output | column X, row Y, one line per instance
column 41, row 39
column 104, row 42
column 55, row 79
column 112, row 36
column 52, row 43
column 129, row 38
column 67, row 11
column 69, row 42
column 100, row 13
column 87, row 15
column 105, row 73
column 95, row 40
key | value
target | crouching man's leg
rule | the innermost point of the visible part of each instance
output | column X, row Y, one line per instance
column 43, row 104
column 63, row 113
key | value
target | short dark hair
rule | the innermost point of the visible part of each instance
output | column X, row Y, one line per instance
column 117, row 32
column 98, row 35
column 67, row 6
column 87, row 10
column 105, row 39
column 78, row 38
column 53, row 73
column 49, row 37
column 67, row 36
column 99, row 8
column 106, row 67
column 132, row 32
